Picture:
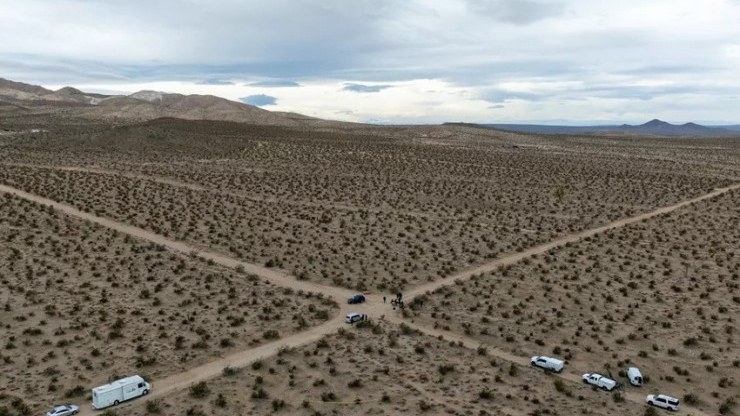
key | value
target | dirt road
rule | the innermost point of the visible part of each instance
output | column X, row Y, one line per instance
column 630, row 395
column 274, row 276
column 570, row 238
column 168, row 385
column 374, row 307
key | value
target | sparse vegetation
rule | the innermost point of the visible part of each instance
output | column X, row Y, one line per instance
column 377, row 210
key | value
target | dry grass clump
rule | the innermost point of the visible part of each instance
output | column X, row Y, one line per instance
column 81, row 303
column 663, row 294
column 378, row 368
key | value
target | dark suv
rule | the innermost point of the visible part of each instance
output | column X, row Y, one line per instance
column 358, row 298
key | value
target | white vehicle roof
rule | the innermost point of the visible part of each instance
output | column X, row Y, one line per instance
column 119, row 383
column 663, row 396
column 552, row 360
column 61, row 407
column 352, row 314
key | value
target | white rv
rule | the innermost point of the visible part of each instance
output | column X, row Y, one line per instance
column 118, row 391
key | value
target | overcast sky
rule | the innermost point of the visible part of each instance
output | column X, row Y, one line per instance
column 576, row 61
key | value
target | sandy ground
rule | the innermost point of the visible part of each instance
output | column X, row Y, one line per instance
column 82, row 303
column 454, row 211
column 661, row 294
column 247, row 356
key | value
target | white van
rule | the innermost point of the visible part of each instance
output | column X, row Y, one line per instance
column 352, row 318
column 662, row 401
column 548, row 363
column 118, row 391
column 634, row 376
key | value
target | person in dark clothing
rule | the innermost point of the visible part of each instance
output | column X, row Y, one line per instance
column 383, row 299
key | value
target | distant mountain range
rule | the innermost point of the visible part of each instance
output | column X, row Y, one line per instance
column 20, row 98
column 654, row 127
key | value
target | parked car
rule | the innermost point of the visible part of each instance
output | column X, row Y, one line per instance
column 662, row 401
column 599, row 381
column 548, row 363
column 358, row 298
column 634, row 376
column 63, row 410
column 352, row 318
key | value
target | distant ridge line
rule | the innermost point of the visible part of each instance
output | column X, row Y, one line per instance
column 653, row 127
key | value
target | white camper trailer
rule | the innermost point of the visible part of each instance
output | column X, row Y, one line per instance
column 119, row 391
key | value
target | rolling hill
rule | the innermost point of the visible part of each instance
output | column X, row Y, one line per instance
column 140, row 106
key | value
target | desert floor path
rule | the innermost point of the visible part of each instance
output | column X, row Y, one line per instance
column 274, row 276
column 632, row 395
column 569, row 238
column 230, row 192
column 180, row 381
column 374, row 307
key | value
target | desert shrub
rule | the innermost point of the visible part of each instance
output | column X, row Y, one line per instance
column 145, row 362
column 271, row 334
column 229, row 371
column 406, row 330
column 727, row 406
column 194, row 411
column 259, row 393
column 21, row 407
column 220, row 401
column 690, row 342
column 486, row 394
column 691, row 399
column 75, row 391
column 199, row 390
column 650, row 411
column 153, row 406
column 560, row 387
column 328, row 396
column 277, row 404
column 445, row 368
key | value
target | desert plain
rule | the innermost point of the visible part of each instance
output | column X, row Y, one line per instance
column 215, row 259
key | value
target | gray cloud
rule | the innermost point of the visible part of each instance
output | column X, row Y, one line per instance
column 499, row 95
column 615, row 50
column 214, row 81
column 520, row 12
column 275, row 83
column 365, row 88
column 259, row 100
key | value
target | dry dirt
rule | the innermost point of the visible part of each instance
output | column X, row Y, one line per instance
column 81, row 303
column 663, row 294
column 385, row 369
column 365, row 211
column 373, row 209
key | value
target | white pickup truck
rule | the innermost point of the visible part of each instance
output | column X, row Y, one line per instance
column 599, row 381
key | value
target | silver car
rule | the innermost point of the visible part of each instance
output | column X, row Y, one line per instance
column 63, row 410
